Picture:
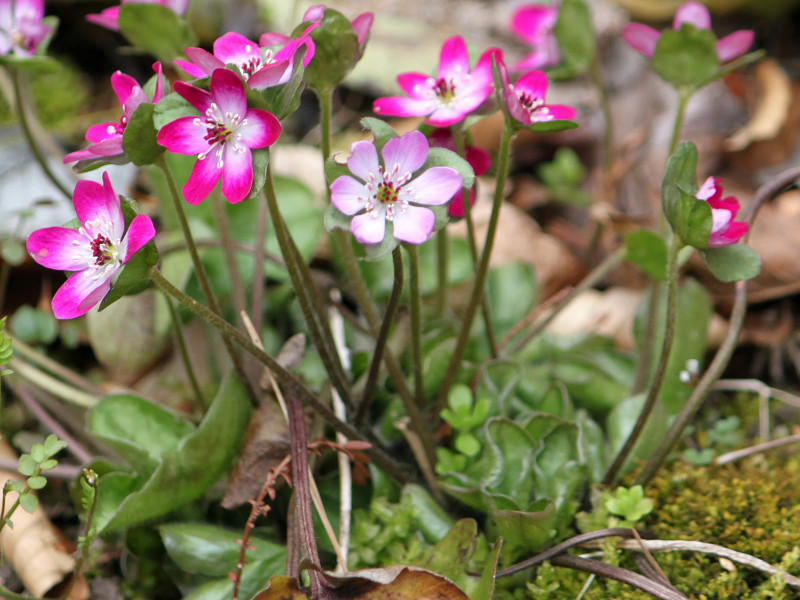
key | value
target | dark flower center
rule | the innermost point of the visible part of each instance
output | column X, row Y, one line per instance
column 445, row 88
column 387, row 193
column 218, row 133
column 102, row 250
column 530, row 102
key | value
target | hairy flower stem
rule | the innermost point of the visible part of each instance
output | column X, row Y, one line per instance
column 415, row 298
column 20, row 101
column 302, row 491
column 359, row 289
column 202, row 276
column 283, row 376
column 184, row 351
column 482, row 272
column 661, row 367
column 380, row 342
column 308, row 296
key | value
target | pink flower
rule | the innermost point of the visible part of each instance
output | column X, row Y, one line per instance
column 221, row 138
column 533, row 24
column 447, row 98
column 260, row 65
column 478, row 159
column 106, row 138
column 108, row 17
column 21, row 27
column 95, row 251
column 361, row 24
column 525, row 98
column 724, row 230
column 643, row 39
column 389, row 193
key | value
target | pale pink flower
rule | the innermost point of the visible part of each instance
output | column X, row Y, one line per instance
column 221, row 138
column 451, row 95
column 724, row 230
column 108, row 17
column 389, row 193
column 95, row 251
column 533, row 24
column 106, row 138
column 525, row 98
column 21, row 27
column 261, row 65
column 643, row 39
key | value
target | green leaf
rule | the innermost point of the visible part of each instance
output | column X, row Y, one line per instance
column 550, row 126
column 48, row 464
column 512, row 290
column 211, row 550
column 37, row 482
column 254, row 575
column 686, row 58
column 629, row 503
column 134, row 276
column 29, row 503
column 139, row 138
column 382, row 132
column 529, row 530
column 648, row 251
column 336, row 53
column 173, row 106
column 183, row 475
column 27, row 465
column 576, row 40
column 53, row 445
column 37, row 452
column 736, row 262
column 689, row 216
column 442, row 157
column 155, row 29
column 33, row 326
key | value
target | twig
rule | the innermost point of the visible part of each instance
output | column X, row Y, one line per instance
column 735, row 455
column 50, row 384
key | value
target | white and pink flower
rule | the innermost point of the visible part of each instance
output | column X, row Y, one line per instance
column 724, row 230
column 21, row 26
column 221, row 138
column 533, row 24
column 644, row 39
column 106, row 138
column 262, row 65
column 108, row 18
column 390, row 193
column 450, row 96
column 525, row 99
column 95, row 251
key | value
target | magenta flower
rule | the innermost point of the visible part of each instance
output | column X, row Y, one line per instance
column 389, row 193
column 106, row 138
column 478, row 159
column 447, row 98
column 95, row 251
column 525, row 98
column 724, row 230
column 260, row 64
column 21, row 27
column 221, row 139
column 643, row 39
column 108, row 17
column 533, row 24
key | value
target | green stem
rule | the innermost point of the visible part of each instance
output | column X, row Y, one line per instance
column 683, row 99
column 325, row 98
column 20, row 101
column 442, row 258
column 202, row 276
column 187, row 363
column 598, row 79
column 308, row 296
column 259, row 256
column 283, row 376
column 415, row 297
column 237, row 286
column 383, row 337
column 661, row 367
column 88, row 537
column 483, row 271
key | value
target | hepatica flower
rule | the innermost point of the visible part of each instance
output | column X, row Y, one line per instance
column 21, row 27
column 95, row 251
column 106, row 138
column 108, row 18
column 724, row 230
column 525, row 99
column 390, row 193
column 533, row 24
column 221, row 137
column 643, row 39
column 262, row 65
column 451, row 95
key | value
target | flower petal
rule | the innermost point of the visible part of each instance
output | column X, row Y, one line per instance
column 94, row 201
column 228, row 92
column 203, row 62
column 414, row 225
column 362, row 25
column 734, row 233
column 270, row 75
column 237, row 173
column 400, row 106
column 235, row 49
column 184, row 135
column 693, row 13
column 417, row 85
column 453, row 60
column 369, row 228
column 198, row 98
column 262, row 128
column 107, row 18
column 123, row 86
column 59, row 248
column 81, row 292
column 554, row 112
column 202, row 180
column 363, row 161
column 735, row 44
column 434, row 187
column 140, row 231
column 531, row 23
column 348, row 195
column 405, row 154
column 533, row 84
column 641, row 38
